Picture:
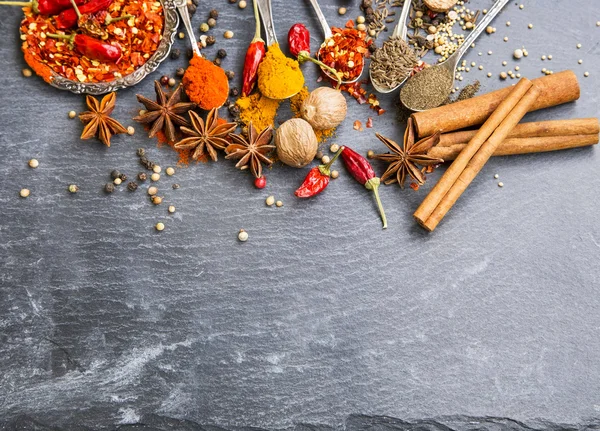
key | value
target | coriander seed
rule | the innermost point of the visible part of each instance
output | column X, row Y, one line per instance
column 370, row 154
column 33, row 163
column 242, row 4
column 152, row 190
column 503, row 75
column 156, row 169
column 361, row 27
column 155, row 177
column 24, row 193
column 325, row 159
column 160, row 226
column 109, row 187
column 73, row 188
column 270, row 200
column 181, row 35
column 228, row 34
column 243, row 235
column 170, row 171
column 130, row 130
column 171, row 209
column 72, row 114
column 117, row 181
column 156, row 200
column 342, row 11
column 334, row 148
column 335, row 174
column 27, row 73
column 521, row 6
column 279, row 204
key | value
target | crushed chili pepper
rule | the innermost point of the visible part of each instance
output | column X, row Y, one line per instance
column 254, row 55
column 44, row 7
column 345, row 51
column 362, row 171
column 317, row 179
column 69, row 17
column 138, row 38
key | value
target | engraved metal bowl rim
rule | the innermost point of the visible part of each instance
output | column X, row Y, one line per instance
column 171, row 22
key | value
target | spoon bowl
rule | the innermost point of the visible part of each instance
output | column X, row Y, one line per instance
column 400, row 31
column 327, row 33
column 185, row 17
column 452, row 61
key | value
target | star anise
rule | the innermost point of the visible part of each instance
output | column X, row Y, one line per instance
column 205, row 136
column 251, row 151
column 404, row 159
column 164, row 113
column 97, row 120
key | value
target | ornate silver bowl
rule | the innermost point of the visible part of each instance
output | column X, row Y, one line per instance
column 164, row 47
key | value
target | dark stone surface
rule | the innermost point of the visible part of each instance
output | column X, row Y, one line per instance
column 321, row 315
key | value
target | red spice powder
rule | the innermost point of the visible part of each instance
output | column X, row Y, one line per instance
column 205, row 83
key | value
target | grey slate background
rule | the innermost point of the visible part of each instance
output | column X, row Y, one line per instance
column 321, row 315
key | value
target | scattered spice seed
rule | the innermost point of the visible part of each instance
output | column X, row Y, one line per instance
column 211, row 22
column 175, row 54
column 72, row 114
column 370, row 154
column 164, row 80
column 204, row 27
column 160, row 226
column 210, row 40
column 180, row 72
column 142, row 176
column 228, row 34
column 342, row 11
column 243, row 235
column 152, row 190
column 181, row 35
column 214, row 14
column 171, row 209
column 242, row 4
column 503, row 75
column 115, row 174
column 530, row 26
column 156, row 169
column 33, row 163
column 130, row 130
column 155, row 177
column 334, row 148
column 117, row 181
column 270, row 200
column 27, row 73
column 580, row 61
column 578, row 46
column 500, row 184
column 586, row 74
column 24, row 193
column 279, row 204
column 172, row 82
column 109, row 187
column 156, row 200
column 73, row 188
column 132, row 186
column 170, row 171
column 496, row 176
column 335, row 174
column 123, row 177
column 175, row 186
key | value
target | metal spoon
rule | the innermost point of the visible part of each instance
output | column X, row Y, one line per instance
column 327, row 33
column 452, row 61
column 185, row 17
column 266, row 13
column 399, row 31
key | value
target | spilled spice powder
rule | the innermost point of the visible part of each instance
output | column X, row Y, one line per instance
column 258, row 109
column 295, row 105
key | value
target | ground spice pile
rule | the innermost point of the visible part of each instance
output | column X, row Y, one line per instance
column 258, row 110
column 205, row 83
column 279, row 77
column 427, row 89
column 138, row 37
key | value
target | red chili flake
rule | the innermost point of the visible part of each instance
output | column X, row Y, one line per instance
column 358, row 126
column 369, row 123
column 414, row 186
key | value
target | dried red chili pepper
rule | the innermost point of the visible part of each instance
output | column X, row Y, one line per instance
column 361, row 170
column 317, row 179
column 254, row 55
column 44, row 7
column 68, row 18
column 92, row 48
column 299, row 44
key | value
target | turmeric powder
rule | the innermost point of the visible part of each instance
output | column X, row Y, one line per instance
column 279, row 77
column 258, row 110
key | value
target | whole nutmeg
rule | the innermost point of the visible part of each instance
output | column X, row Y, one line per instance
column 324, row 108
column 439, row 5
column 296, row 143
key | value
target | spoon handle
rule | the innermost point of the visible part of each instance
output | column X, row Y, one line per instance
column 400, row 30
column 266, row 13
column 321, row 18
column 487, row 18
column 185, row 17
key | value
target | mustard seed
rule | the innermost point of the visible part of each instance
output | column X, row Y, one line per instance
column 335, row 174
column 73, row 188
column 156, row 169
column 152, row 190
column 228, row 34
column 243, row 235
column 156, row 200
column 155, row 177
column 160, row 226
column 130, row 130
column 279, row 203
column 171, row 209
column 72, row 114
column 270, row 200
column 334, row 148
column 33, row 163
column 24, row 193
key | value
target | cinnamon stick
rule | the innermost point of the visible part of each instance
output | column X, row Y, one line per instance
column 575, row 126
column 514, row 146
column 477, row 152
column 554, row 89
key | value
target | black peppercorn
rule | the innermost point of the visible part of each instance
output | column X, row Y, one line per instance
column 109, row 187
column 132, row 186
column 214, row 14
column 210, row 40
column 175, row 54
column 234, row 110
column 141, row 152
column 217, row 61
column 142, row 176
column 191, row 8
column 190, row 52
column 234, row 92
column 180, row 72
column 372, row 48
column 115, row 174
column 164, row 80
column 221, row 53
column 175, row 186
column 123, row 177
column 230, row 74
